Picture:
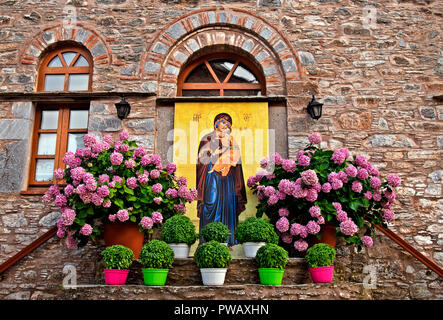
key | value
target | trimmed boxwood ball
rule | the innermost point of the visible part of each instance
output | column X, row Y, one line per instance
column 320, row 255
column 179, row 229
column 117, row 257
column 212, row 254
column 217, row 231
column 272, row 256
column 157, row 254
column 256, row 230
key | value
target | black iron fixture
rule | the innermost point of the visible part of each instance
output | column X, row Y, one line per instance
column 123, row 108
column 315, row 108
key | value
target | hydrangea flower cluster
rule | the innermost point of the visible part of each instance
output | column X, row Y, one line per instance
column 318, row 186
column 115, row 180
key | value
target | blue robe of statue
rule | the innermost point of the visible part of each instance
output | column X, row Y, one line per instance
column 220, row 198
column 219, row 203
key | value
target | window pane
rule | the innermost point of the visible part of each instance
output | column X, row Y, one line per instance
column 78, row 119
column 78, row 82
column 81, row 62
column 44, row 169
column 243, row 75
column 200, row 74
column 69, row 56
column 55, row 62
column 54, row 82
column 46, row 143
column 49, row 119
column 75, row 141
column 201, row 93
column 221, row 67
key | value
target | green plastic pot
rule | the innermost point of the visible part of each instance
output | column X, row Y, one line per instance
column 155, row 277
column 271, row 276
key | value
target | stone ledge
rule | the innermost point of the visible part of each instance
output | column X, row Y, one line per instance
column 71, row 96
column 324, row 291
column 241, row 270
column 161, row 100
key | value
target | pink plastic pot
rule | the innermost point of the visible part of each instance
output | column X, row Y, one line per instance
column 115, row 276
column 322, row 274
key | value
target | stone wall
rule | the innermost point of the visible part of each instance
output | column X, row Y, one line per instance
column 15, row 134
column 376, row 66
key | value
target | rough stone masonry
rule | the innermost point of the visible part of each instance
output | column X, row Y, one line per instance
column 376, row 66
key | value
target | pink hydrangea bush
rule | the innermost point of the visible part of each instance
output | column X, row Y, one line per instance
column 115, row 181
column 323, row 186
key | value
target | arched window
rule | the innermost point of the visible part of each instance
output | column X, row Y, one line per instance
column 59, row 126
column 221, row 75
column 66, row 69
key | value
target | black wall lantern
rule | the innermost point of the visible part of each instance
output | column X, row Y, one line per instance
column 123, row 108
column 315, row 108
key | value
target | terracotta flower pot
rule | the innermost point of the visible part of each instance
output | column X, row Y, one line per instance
column 327, row 232
column 126, row 234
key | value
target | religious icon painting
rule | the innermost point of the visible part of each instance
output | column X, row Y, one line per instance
column 217, row 147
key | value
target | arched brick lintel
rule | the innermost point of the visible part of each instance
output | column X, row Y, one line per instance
column 96, row 44
column 200, row 29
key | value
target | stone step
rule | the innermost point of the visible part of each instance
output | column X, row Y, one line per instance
column 241, row 271
column 326, row 291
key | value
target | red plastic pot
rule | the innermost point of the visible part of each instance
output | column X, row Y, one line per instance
column 322, row 274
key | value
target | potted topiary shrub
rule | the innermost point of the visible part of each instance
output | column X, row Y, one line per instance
column 320, row 259
column 157, row 257
column 117, row 260
column 272, row 260
column 217, row 231
column 179, row 233
column 254, row 233
column 213, row 259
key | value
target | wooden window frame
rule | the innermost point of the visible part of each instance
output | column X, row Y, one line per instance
column 218, row 85
column 64, row 108
column 62, row 132
column 45, row 70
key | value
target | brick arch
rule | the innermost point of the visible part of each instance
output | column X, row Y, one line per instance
column 221, row 39
column 201, row 29
column 47, row 38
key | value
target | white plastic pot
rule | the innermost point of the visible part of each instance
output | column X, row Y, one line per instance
column 213, row 276
column 250, row 248
column 181, row 250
